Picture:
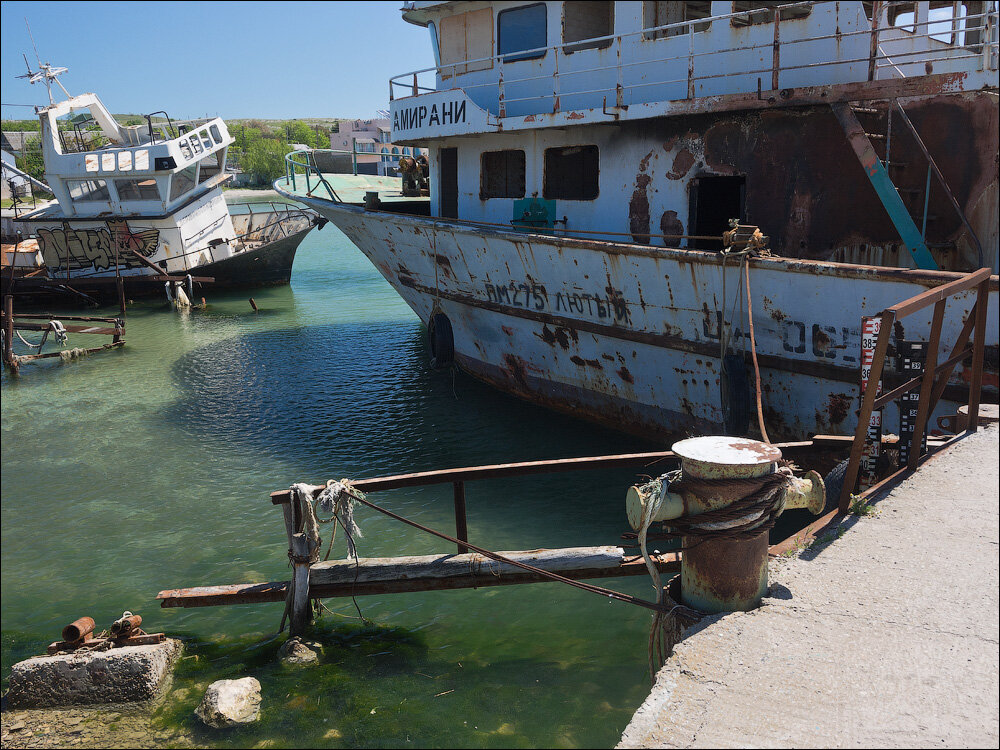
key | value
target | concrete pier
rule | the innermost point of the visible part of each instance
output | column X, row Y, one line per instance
column 886, row 636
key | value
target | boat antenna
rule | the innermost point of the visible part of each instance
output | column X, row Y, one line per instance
column 46, row 72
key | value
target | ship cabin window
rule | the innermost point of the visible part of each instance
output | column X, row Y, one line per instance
column 946, row 21
column 590, row 20
column 182, row 182
column 216, row 133
column 763, row 12
column 501, row 175
column 195, row 143
column 137, row 190
column 464, row 37
column 655, row 14
column 185, row 148
column 84, row 191
column 210, row 166
column 571, row 173
column 206, row 141
column 522, row 28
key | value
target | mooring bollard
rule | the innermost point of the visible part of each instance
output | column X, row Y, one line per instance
column 720, row 573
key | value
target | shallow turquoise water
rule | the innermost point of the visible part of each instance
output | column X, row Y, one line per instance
column 149, row 468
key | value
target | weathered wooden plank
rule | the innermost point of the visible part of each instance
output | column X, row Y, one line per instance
column 475, row 574
column 469, row 564
column 52, row 355
column 214, row 596
column 30, row 326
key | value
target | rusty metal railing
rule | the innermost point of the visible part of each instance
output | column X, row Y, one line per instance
column 879, row 59
column 308, row 168
column 934, row 378
column 458, row 477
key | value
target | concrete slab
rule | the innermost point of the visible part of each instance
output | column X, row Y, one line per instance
column 119, row 675
column 888, row 636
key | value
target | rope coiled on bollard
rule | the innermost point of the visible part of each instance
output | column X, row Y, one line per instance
column 747, row 516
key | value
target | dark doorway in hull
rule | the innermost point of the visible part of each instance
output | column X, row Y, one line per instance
column 714, row 201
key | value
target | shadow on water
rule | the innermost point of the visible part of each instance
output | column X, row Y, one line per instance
column 359, row 399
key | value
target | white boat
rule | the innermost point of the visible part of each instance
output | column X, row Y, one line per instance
column 145, row 203
column 585, row 159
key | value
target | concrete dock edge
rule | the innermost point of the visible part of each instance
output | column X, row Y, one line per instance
column 885, row 636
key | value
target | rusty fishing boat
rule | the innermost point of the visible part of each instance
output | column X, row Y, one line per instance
column 144, row 204
column 586, row 159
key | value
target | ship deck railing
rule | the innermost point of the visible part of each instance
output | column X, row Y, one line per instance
column 303, row 176
column 623, row 70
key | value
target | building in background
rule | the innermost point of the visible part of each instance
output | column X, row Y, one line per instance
column 370, row 139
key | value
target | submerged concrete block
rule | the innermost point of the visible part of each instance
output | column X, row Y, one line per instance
column 119, row 675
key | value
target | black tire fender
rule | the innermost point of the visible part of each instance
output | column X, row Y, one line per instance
column 441, row 340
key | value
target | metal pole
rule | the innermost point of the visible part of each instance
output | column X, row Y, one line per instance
column 502, row 104
column 776, row 53
column 923, row 413
column 461, row 525
column 927, row 200
column 873, row 52
column 978, row 346
column 690, row 86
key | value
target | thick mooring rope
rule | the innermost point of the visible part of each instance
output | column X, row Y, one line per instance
column 743, row 257
column 663, row 631
column 747, row 516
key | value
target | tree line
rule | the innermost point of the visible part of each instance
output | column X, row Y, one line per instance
column 260, row 149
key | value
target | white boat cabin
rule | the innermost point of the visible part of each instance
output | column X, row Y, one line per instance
column 156, row 187
column 127, row 170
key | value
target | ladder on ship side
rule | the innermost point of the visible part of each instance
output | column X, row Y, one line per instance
column 905, row 206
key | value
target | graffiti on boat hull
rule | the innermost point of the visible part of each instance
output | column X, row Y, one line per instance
column 74, row 249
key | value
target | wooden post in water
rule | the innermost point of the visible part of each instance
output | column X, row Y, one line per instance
column 8, row 333
column 300, row 616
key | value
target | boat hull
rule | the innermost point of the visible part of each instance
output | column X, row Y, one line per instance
column 629, row 336
column 268, row 265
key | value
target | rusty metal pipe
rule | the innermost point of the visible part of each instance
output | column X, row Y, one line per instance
column 78, row 630
column 125, row 626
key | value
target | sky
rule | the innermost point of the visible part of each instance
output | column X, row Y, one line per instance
column 273, row 60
